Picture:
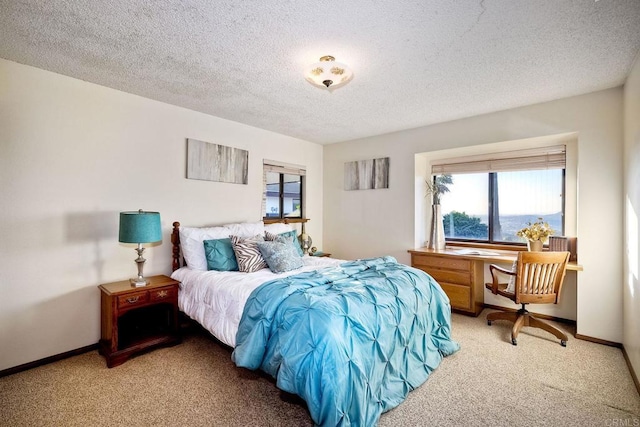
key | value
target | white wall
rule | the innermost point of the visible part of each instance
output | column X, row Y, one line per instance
column 377, row 222
column 631, row 272
column 73, row 155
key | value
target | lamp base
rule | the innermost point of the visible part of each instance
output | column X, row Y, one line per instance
column 139, row 282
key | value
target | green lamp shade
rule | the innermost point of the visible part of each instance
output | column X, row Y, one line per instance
column 140, row 227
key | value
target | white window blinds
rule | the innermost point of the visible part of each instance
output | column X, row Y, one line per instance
column 531, row 159
column 279, row 167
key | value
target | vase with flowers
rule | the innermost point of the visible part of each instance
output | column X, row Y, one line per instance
column 536, row 233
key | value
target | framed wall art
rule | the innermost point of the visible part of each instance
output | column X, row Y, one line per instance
column 214, row 162
column 366, row 174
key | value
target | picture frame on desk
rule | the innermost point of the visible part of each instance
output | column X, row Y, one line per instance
column 564, row 243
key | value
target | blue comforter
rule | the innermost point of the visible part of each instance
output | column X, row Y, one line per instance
column 352, row 340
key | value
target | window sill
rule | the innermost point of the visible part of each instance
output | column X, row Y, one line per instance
column 285, row 220
column 494, row 246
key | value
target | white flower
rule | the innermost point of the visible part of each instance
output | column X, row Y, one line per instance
column 538, row 230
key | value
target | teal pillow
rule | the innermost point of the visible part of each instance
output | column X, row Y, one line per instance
column 220, row 255
column 293, row 237
column 280, row 256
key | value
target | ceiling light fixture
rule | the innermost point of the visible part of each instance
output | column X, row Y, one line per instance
column 328, row 74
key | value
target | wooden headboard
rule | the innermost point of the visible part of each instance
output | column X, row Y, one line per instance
column 179, row 261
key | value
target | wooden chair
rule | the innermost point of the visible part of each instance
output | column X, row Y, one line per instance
column 538, row 280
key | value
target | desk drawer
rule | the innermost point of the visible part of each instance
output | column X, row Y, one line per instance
column 460, row 296
column 461, row 277
column 450, row 276
column 449, row 263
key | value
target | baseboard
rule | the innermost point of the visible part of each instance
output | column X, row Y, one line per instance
column 633, row 373
column 186, row 325
column 560, row 320
column 599, row 341
column 47, row 360
column 541, row 316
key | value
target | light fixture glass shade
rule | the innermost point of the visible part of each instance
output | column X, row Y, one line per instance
column 140, row 227
column 328, row 74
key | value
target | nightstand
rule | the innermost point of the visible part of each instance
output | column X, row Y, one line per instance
column 137, row 319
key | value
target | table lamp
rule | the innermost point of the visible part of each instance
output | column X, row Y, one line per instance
column 140, row 227
column 305, row 240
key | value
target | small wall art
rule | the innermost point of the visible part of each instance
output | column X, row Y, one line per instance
column 214, row 162
column 366, row 174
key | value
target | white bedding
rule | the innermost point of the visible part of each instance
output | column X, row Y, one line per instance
column 215, row 299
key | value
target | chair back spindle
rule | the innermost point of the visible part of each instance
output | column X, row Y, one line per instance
column 540, row 276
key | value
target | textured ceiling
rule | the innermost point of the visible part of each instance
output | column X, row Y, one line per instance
column 416, row 62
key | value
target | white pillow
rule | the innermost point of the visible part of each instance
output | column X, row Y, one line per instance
column 511, row 286
column 246, row 229
column 192, row 243
column 278, row 227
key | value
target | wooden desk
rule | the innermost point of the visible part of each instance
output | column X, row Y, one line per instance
column 462, row 275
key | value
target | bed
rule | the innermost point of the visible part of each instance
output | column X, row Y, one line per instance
column 351, row 338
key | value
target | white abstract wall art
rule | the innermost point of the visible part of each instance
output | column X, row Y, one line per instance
column 366, row 174
column 213, row 162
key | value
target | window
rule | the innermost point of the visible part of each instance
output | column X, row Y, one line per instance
column 283, row 190
column 492, row 197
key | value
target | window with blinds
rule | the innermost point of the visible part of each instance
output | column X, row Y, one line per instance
column 492, row 196
column 283, row 190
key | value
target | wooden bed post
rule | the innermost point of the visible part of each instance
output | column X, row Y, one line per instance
column 175, row 241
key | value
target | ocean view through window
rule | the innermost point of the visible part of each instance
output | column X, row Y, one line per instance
column 492, row 207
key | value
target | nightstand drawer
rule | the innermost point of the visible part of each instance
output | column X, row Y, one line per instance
column 168, row 293
column 133, row 299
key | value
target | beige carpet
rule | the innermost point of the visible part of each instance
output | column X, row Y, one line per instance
column 488, row 382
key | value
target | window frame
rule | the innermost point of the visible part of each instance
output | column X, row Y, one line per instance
column 281, row 197
column 542, row 157
column 282, row 169
column 492, row 177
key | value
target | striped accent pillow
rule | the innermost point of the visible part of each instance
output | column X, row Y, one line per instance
column 247, row 253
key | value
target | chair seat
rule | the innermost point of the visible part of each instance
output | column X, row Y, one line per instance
column 502, row 290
